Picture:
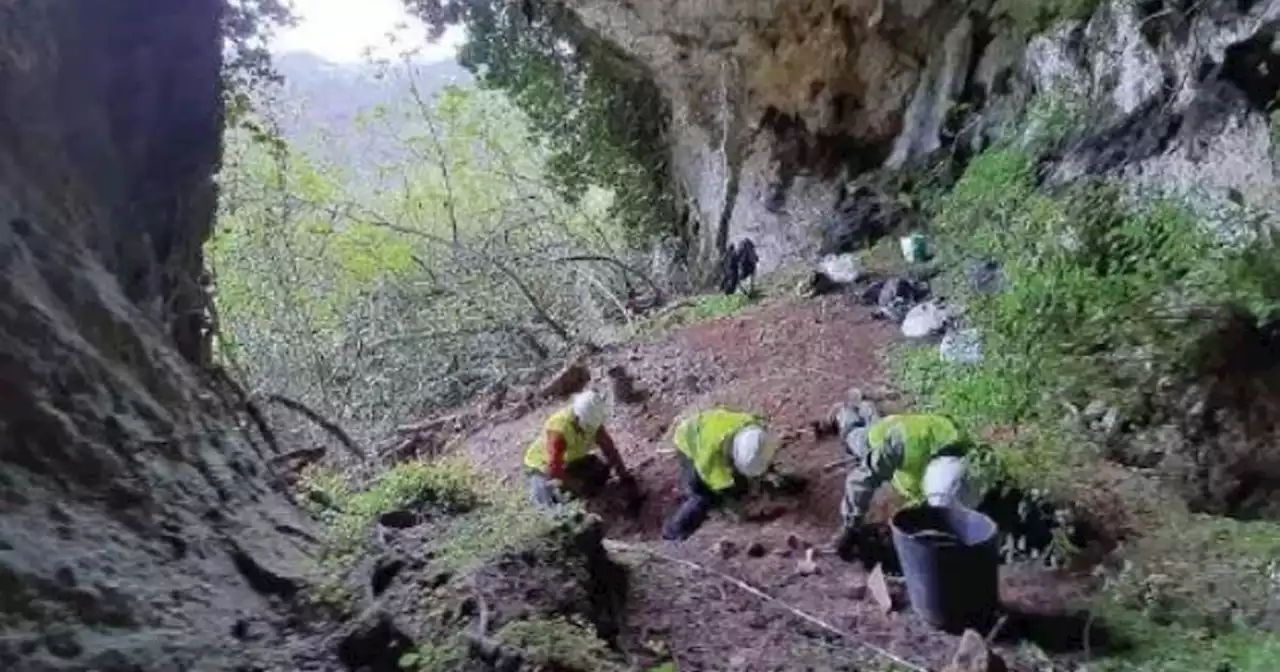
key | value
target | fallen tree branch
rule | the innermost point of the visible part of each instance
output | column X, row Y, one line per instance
column 810, row 618
column 250, row 408
column 430, row 425
column 324, row 423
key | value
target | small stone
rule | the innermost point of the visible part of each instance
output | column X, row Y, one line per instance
column 895, row 292
column 808, row 566
column 841, row 269
column 985, row 277
column 1095, row 410
column 795, row 543
column 856, row 591
column 725, row 549
column 878, row 588
column 62, row 642
column 974, row 656
column 756, row 550
column 962, row 346
column 1110, row 422
column 924, row 320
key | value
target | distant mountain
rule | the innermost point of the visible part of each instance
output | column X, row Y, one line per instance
column 321, row 100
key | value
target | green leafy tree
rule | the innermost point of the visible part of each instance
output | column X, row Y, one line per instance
column 247, row 73
column 600, row 114
column 375, row 293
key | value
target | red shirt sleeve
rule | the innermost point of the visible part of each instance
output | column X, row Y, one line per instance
column 555, row 454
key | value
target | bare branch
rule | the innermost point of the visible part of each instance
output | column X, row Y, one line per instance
column 525, row 336
column 324, row 423
column 540, row 312
column 625, row 268
column 441, row 159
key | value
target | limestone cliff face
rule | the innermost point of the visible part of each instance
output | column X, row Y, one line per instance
column 137, row 531
column 777, row 102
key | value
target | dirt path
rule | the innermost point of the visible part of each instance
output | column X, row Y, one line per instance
column 792, row 362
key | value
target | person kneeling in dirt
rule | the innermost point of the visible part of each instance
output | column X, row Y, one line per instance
column 560, row 465
column 922, row 455
column 718, row 450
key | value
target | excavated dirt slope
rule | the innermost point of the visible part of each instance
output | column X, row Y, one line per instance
column 791, row 361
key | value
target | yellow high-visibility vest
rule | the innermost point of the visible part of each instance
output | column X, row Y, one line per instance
column 702, row 437
column 921, row 436
column 577, row 444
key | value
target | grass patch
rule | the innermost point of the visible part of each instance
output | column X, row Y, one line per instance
column 1104, row 299
column 697, row 309
column 446, row 486
column 976, row 396
column 475, row 517
column 560, row 643
column 1102, row 295
column 448, row 656
column 1202, row 573
column 504, row 521
column 1161, row 648
column 997, row 409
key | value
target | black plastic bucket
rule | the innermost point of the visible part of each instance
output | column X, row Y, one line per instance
column 950, row 560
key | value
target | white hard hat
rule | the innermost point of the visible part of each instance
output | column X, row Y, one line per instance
column 946, row 482
column 752, row 451
column 589, row 410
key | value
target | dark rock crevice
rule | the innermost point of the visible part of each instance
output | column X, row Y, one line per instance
column 1254, row 68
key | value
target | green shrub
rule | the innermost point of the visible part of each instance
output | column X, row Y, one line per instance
column 447, row 486
column 1150, row 647
column 974, row 396
column 446, row 657
column 565, row 643
column 505, row 520
column 1103, row 295
column 698, row 309
column 1203, row 573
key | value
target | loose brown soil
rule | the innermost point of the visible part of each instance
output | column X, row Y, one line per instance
column 791, row 362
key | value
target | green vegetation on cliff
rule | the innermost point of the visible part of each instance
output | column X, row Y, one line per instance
column 1111, row 298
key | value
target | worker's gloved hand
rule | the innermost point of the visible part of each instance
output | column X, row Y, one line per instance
column 786, row 485
column 560, row 494
column 631, row 494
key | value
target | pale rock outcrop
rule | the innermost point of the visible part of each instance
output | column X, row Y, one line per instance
column 775, row 103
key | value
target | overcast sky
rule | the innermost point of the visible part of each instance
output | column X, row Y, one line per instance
column 340, row 30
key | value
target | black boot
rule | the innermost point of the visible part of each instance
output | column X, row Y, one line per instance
column 845, row 543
